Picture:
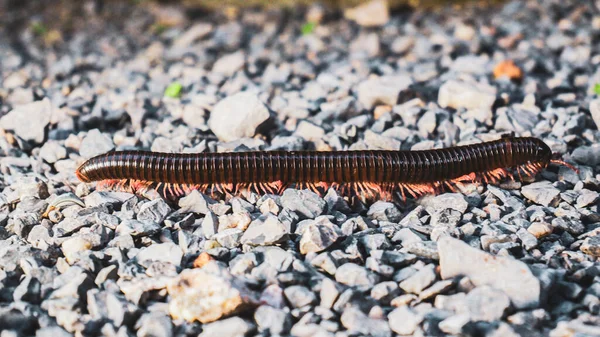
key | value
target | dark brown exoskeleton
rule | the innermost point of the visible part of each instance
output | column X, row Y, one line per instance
column 370, row 173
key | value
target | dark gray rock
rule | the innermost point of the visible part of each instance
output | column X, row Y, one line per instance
column 587, row 155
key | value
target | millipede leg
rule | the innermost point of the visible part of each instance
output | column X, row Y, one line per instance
column 401, row 188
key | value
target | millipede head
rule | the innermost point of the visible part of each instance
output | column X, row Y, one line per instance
column 543, row 152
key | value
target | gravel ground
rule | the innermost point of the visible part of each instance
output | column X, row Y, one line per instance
column 507, row 260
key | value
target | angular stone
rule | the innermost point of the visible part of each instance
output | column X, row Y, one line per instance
column 460, row 94
column 353, row 275
column 233, row 326
column 160, row 252
column 209, row 293
column 591, row 246
column 419, row 280
column 382, row 90
column 265, row 230
column 29, row 121
column 511, row 276
column 95, row 143
column 237, row 116
column 487, row 304
column 303, row 202
column 299, row 296
column 542, row 193
column 319, row 235
column 404, row 321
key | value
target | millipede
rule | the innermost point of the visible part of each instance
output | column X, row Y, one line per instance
column 369, row 173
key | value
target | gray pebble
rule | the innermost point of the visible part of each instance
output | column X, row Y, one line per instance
column 542, row 193
column 95, row 143
column 384, row 211
column 373, row 242
column 210, row 223
column 330, row 291
column 265, row 230
column 595, row 112
column 528, row 240
column 274, row 321
column 229, row 238
column 382, row 90
column 155, row 211
column 303, row 202
column 360, row 324
column 591, row 246
column 237, row 116
column 587, row 155
column 404, row 321
column 29, row 121
column 506, row 274
column 29, row 290
column 52, row 152
column 354, row 275
column 160, row 252
column 487, row 304
column 461, row 94
column 52, row 331
column 420, row 280
column 394, row 258
column 229, row 64
column 587, row 198
column 31, row 186
column 195, row 202
column 385, row 291
column 318, row 235
column 233, row 326
column 309, row 131
column 137, row 228
column 299, row 296
column 426, row 249
column 154, row 324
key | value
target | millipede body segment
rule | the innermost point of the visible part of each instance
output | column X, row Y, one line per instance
column 372, row 172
